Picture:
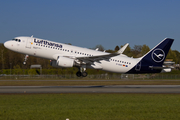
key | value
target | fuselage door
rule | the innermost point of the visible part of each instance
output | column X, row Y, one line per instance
column 29, row 43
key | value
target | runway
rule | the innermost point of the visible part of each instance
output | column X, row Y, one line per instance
column 92, row 89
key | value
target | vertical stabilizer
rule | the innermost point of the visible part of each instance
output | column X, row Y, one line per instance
column 154, row 58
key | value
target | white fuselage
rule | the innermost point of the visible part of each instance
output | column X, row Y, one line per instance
column 51, row 50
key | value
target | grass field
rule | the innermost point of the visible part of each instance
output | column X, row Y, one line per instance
column 89, row 106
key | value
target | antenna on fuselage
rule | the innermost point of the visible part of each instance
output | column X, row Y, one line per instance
column 31, row 36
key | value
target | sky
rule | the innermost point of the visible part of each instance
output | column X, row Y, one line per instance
column 87, row 23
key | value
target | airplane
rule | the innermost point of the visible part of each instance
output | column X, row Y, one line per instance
column 66, row 56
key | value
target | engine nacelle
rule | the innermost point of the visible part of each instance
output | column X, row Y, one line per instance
column 62, row 62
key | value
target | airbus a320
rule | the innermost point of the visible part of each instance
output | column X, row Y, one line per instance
column 63, row 55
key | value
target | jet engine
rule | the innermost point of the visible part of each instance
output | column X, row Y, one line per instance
column 62, row 62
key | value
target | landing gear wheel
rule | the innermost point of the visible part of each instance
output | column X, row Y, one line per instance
column 79, row 74
column 84, row 74
column 25, row 59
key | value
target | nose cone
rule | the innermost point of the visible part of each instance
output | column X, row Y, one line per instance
column 7, row 44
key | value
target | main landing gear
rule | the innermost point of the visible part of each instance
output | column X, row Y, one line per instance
column 82, row 72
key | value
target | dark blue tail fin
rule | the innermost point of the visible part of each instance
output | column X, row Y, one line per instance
column 154, row 58
column 157, row 55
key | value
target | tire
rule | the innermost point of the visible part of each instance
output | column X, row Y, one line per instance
column 78, row 74
column 84, row 74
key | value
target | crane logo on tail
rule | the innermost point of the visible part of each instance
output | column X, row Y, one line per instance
column 158, row 55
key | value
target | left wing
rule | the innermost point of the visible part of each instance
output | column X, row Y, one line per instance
column 102, row 57
column 97, row 58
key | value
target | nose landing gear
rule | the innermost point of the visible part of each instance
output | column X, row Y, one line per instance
column 25, row 59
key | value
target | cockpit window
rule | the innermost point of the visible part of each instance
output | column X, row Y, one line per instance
column 18, row 40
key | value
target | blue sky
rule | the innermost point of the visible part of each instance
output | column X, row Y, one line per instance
column 88, row 23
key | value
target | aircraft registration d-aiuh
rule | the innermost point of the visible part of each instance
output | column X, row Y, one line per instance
column 63, row 55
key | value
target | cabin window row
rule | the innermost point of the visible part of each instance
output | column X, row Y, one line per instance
column 120, row 61
column 64, row 50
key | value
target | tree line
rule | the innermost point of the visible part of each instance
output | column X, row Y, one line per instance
column 14, row 61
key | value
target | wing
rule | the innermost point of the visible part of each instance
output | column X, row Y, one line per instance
column 97, row 58
column 102, row 57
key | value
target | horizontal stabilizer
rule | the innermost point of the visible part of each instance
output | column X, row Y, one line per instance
column 163, row 69
column 157, row 68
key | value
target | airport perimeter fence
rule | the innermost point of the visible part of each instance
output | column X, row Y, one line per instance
column 99, row 76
